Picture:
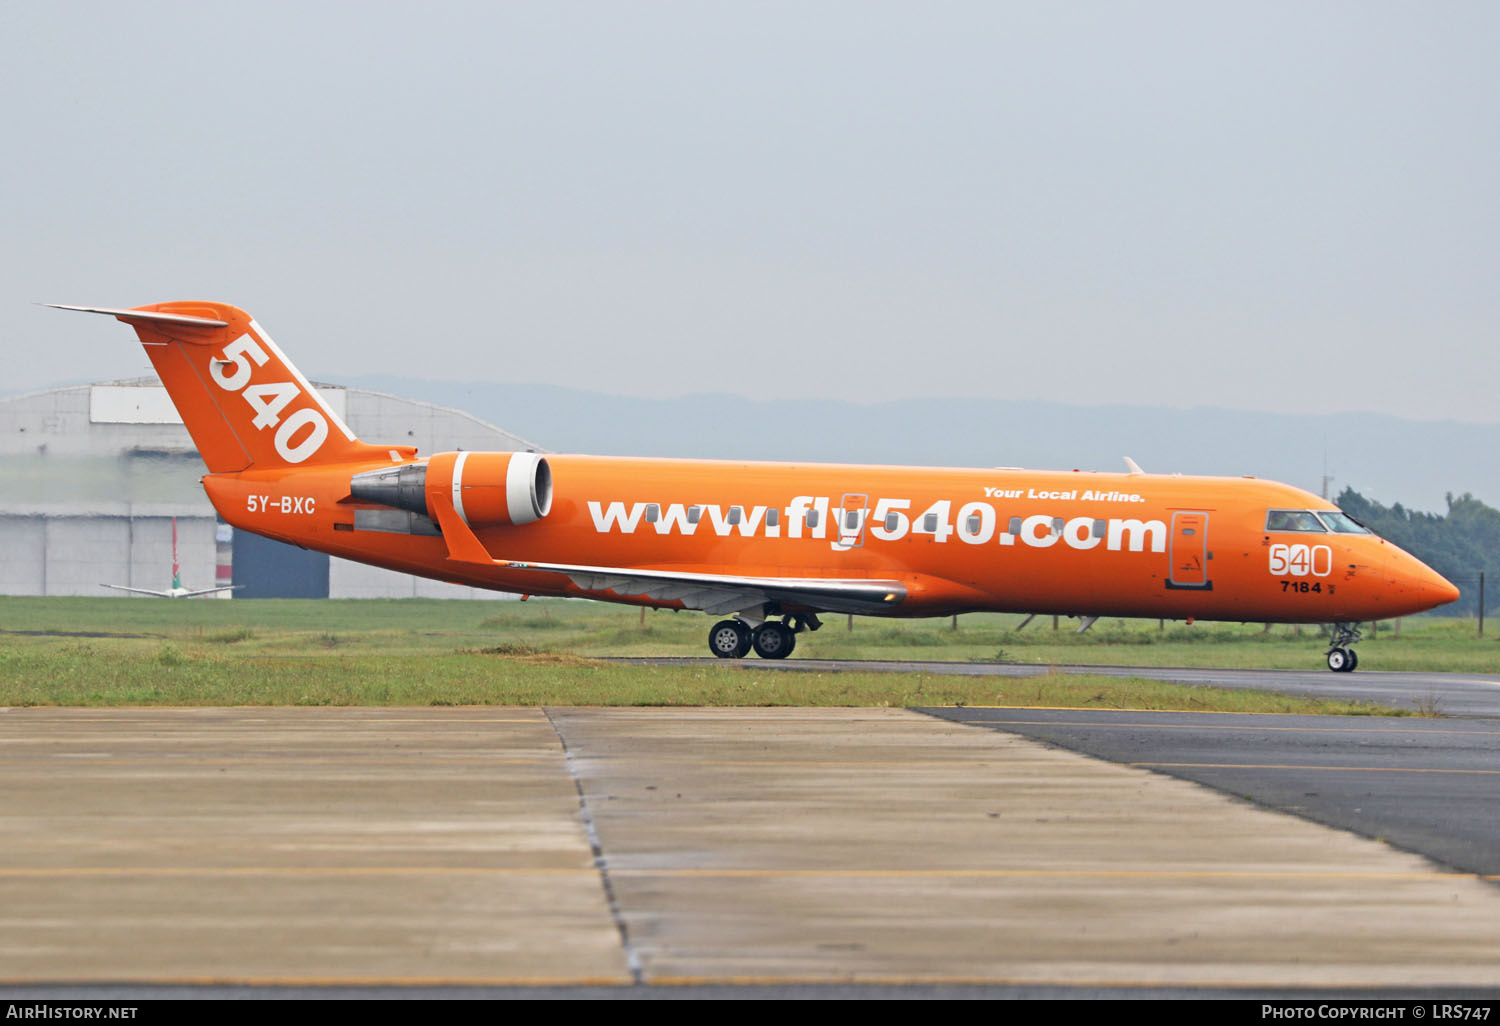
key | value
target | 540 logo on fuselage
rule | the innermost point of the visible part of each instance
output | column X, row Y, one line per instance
column 232, row 370
column 1301, row 560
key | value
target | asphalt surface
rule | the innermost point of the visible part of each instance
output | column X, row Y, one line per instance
column 1446, row 694
column 1430, row 786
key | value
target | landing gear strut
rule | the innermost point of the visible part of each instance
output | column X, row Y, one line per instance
column 1341, row 657
column 733, row 639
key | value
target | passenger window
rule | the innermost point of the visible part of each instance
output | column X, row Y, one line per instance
column 735, row 513
column 773, row 517
column 812, row 518
column 695, row 513
column 653, row 513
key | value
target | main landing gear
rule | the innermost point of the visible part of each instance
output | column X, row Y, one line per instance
column 733, row 639
column 1341, row 657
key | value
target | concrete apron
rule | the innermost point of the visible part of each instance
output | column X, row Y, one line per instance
column 286, row 846
column 432, row 845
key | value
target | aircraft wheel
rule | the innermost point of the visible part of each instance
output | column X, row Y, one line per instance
column 729, row 639
column 1353, row 660
column 773, row 640
column 1341, row 660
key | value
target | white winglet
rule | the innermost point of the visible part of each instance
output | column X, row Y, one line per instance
column 1135, row 468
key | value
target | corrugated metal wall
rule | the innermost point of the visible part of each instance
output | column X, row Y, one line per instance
column 90, row 479
column 67, row 555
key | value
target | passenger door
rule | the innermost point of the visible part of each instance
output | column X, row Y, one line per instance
column 1189, row 554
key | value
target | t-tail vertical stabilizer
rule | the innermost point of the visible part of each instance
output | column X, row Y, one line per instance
column 243, row 401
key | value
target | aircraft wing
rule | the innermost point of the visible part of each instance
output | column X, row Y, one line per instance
column 726, row 593
column 138, row 591
column 168, row 594
column 712, row 593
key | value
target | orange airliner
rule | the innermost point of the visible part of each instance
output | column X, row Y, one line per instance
column 771, row 544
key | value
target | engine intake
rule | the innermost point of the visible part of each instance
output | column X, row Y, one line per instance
column 486, row 488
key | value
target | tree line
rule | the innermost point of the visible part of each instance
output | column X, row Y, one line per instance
column 1458, row 544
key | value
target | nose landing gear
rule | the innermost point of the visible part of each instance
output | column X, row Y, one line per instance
column 1341, row 657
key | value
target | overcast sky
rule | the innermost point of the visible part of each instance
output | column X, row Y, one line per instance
column 1261, row 205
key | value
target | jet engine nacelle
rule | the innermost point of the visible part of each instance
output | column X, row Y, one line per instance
column 492, row 487
column 486, row 488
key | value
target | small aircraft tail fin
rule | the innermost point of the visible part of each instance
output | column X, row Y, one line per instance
column 243, row 401
column 176, row 566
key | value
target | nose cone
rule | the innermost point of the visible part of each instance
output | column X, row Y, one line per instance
column 1423, row 586
column 1443, row 590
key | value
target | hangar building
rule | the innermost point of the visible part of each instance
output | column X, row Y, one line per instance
column 92, row 476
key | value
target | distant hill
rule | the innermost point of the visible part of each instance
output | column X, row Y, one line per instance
column 1412, row 462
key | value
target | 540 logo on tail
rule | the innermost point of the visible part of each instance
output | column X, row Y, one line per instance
column 232, row 371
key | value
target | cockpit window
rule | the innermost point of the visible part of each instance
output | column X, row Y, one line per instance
column 1342, row 523
column 1293, row 520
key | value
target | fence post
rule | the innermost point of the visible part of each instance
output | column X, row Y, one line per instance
column 1481, row 603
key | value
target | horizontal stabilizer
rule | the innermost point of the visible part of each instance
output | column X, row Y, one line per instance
column 143, row 316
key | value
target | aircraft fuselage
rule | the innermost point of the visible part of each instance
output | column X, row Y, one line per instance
column 1141, row 545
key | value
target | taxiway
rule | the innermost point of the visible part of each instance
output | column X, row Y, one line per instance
column 629, row 848
column 1447, row 694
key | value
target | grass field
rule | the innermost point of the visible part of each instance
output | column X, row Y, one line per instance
column 125, row 651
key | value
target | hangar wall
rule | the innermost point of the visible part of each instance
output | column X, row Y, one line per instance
column 91, row 477
column 64, row 554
